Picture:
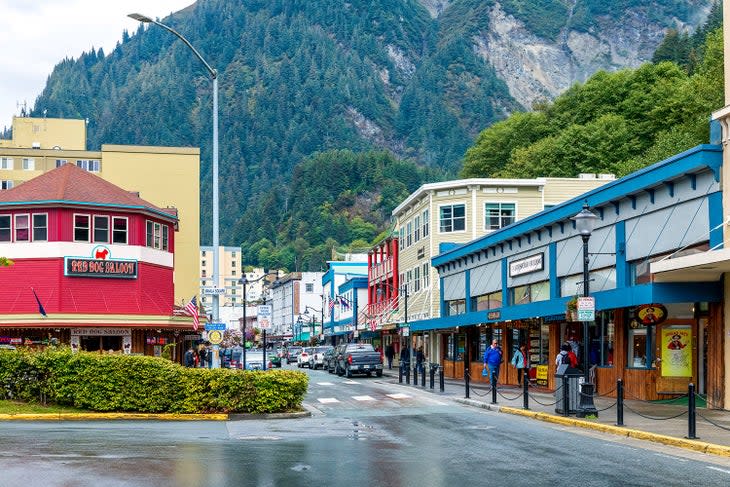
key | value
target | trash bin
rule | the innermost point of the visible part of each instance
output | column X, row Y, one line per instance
column 573, row 378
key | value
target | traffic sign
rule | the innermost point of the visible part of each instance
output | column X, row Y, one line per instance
column 215, row 326
column 586, row 315
column 214, row 291
column 586, row 303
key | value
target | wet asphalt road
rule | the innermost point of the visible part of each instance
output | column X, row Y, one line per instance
column 363, row 432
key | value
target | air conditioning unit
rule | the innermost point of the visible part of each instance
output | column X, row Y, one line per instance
column 36, row 145
column 607, row 176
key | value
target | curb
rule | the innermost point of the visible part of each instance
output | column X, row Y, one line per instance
column 694, row 445
column 150, row 416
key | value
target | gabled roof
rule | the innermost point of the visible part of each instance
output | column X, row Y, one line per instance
column 72, row 185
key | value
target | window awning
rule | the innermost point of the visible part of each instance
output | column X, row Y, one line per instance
column 702, row 267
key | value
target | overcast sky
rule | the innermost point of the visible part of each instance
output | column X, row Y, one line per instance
column 37, row 35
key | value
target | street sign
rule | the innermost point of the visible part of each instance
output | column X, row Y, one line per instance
column 263, row 316
column 215, row 337
column 215, row 326
column 586, row 303
column 214, row 291
column 586, row 315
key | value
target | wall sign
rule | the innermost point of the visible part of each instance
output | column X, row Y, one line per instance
column 100, row 265
column 527, row 265
column 651, row 314
column 494, row 315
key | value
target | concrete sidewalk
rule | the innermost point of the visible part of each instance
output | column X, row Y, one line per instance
column 670, row 427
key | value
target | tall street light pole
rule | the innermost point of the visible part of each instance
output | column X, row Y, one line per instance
column 584, row 223
column 214, row 75
column 243, row 281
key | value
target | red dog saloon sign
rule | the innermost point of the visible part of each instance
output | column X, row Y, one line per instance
column 100, row 265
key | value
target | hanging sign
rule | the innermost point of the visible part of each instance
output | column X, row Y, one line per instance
column 651, row 314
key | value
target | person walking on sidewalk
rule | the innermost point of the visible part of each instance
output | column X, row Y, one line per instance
column 492, row 360
column 389, row 354
column 521, row 362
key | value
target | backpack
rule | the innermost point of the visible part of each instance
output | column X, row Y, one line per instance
column 565, row 360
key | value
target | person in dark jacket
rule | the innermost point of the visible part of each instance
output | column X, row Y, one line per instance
column 389, row 354
column 492, row 360
column 405, row 358
column 189, row 358
column 420, row 358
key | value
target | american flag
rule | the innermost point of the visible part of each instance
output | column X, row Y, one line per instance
column 332, row 304
column 192, row 310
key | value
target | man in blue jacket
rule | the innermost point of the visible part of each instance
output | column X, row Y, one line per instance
column 492, row 359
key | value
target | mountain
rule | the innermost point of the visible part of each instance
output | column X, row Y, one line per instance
column 298, row 78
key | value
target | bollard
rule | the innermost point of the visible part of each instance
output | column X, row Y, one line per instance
column 619, row 403
column 432, row 375
column 494, row 388
column 400, row 373
column 423, row 378
column 692, row 413
column 415, row 375
column 408, row 374
column 441, row 378
column 525, row 395
column 566, row 397
column 466, row 383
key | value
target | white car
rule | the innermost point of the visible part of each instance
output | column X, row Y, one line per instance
column 316, row 358
column 303, row 358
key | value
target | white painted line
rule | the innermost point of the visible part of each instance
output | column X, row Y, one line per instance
column 325, row 383
column 349, row 382
column 720, row 470
column 327, row 400
column 398, row 396
column 363, row 398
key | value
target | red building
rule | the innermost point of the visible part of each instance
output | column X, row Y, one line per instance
column 96, row 259
column 384, row 291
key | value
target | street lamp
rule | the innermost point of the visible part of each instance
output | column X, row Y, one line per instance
column 243, row 281
column 401, row 290
column 214, row 75
column 313, row 319
column 584, row 223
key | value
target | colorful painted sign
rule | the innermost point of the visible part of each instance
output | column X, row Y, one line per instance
column 542, row 375
column 651, row 314
column 100, row 265
column 676, row 343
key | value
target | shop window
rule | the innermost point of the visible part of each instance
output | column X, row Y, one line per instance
column 599, row 279
column 639, row 269
column 22, row 228
column 605, row 342
column 452, row 218
column 498, row 215
column 640, row 354
column 5, row 235
column 81, row 228
column 119, row 230
column 101, row 229
column 530, row 293
column 455, row 307
column 40, row 227
column 455, row 346
column 486, row 301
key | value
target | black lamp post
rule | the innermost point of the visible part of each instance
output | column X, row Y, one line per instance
column 402, row 290
column 313, row 319
column 584, row 223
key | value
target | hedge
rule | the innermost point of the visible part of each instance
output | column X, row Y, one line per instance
column 102, row 382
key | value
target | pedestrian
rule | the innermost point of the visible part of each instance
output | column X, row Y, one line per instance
column 563, row 357
column 522, row 363
column 405, row 358
column 189, row 358
column 492, row 360
column 389, row 354
column 420, row 357
column 203, row 355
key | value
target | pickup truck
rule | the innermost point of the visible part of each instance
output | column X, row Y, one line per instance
column 358, row 358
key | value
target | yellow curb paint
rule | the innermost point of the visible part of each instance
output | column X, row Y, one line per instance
column 112, row 417
column 687, row 444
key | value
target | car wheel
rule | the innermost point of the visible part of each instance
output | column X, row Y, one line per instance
column 379, row 373
column 329, row 369
column 349, row 373
column 369, row 374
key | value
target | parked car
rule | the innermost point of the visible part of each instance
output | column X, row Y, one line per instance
column 275, row 359
column 328, row 362
column 358, row 358
column 292, row 354
column 255, row 359
column 316, row 358
column 303, row 359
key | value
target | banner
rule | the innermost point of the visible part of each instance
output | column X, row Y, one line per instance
column 676, row 345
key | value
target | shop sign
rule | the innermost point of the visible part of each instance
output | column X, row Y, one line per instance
column 157, row 341
column 100, row 265
column 541, row 376
column 527, row 265
column 191, row 337
column 677, row 351
column 101, row 332
column 405, row 331
column 494, row 315
column 651, row 314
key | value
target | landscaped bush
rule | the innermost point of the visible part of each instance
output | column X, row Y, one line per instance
column 102, row 382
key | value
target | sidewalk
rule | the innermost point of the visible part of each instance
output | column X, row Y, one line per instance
column 711, row 438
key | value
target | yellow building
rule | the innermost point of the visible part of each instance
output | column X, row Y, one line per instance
column 164, row 176
column 456, row 212
column 230, row 263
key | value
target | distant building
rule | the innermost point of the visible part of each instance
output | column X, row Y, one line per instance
column 298, row 294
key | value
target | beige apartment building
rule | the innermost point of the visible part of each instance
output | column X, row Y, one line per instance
column 164, row 176
column 455, row 212
column 230, row 265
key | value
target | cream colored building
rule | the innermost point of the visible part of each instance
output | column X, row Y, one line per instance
column 456, row 212
column 164, row 176
column 230, row 265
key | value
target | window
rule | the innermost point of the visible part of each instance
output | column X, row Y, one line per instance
column 203, row 273
column 165, row 237
column 6, row 163
column 119, row 230
column 425, row 223
column 233, row 272
column 409, row 234
column 233, row 255
column 426, row 273
column 309, row 287
column 5, row 228
column 150, row 235
column 40, row 227
column 417, row 229
column 639, row 348
column 6, row 184
column 157, row 236
column 452, row 219
column 61, row 162
column 409, row 281
column 28, row 164
column 22, row 228
column 81, row 228
column 455, row 307
column 486, row 301
column 498, row 215
column 417, row 279
column 203, row 263
column 401, row 241
column 91, row 165
column 531, row 293
column 203, row 253
column 101, row 229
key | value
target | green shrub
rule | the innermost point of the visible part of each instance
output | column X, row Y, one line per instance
column 102, row 382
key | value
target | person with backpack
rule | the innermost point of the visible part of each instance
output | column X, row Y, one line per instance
column 492, row 360
column 564, row 357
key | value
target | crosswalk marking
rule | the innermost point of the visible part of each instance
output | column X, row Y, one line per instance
column 349, row 382
column 325, row 383
column 363, row 398
column 327, row 400
column 398, row 396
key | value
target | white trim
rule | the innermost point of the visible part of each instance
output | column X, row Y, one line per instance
column 15, row 228
column 438, row 218
column 32, row 227
column 126, row 231
column 108, row 229
column 57, row 250
column 10, row 228
column 474, row 211
column 73, row 226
